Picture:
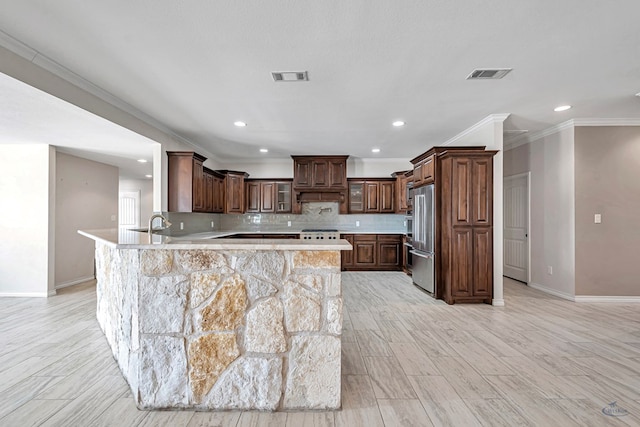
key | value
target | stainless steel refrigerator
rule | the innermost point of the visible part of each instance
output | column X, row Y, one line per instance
column 423, row 273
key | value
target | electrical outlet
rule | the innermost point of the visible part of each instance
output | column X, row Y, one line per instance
column 212, row 224
column 549, row 270
column 182, row 226
column 357, row 223
column 113, row 217
column 288, row 223
column 597, row 218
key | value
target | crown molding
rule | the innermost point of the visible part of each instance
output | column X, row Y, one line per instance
column 492, row 118
column 572, row 123
column 42, row 61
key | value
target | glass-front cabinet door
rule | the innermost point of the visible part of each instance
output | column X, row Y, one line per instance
column 356, row 197
column 283, row 194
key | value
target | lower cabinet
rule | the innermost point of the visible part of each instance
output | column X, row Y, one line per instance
column 373, row 252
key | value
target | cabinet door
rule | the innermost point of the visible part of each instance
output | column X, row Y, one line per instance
column 482, row 185
column 462, row 262
column 253, row 196
column 428, row 170
column 234, row 193
column 337, row 173
column 366, row 251
column 387, row 196
column 417, row 174
column 483, row 261
column 389, row 252
column 267, row 196
column 283, row 197
column 346, row 257
column 371, row 197
column 320, row 174
column 208, row 192
column 218, row 194
column 461, row 191
column 356, row 197
column 302, row 173
column 198, row 186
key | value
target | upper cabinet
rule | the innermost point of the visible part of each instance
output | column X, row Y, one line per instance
column 372, row 195
column 404, row 196
column 186, row 186
column 234, row 201
column 319, row 179
column 320, row 172
column 193, row 187
column 267, row 196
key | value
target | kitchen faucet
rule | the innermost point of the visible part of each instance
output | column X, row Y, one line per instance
column 165, row 223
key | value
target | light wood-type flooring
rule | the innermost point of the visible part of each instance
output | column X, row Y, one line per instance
column 408, row 360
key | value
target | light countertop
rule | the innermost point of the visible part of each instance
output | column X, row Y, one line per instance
column 129, row 239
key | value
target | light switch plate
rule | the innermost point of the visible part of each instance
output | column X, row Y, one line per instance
column 597, row 218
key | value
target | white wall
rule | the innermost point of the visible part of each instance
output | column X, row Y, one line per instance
column 145, row 187
column 356, row 167
column 488, row 132
column 27, row 215
column 553, row 213
column 86, row 198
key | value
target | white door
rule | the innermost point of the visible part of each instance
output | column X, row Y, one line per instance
column 129, row 209
column 516, row 227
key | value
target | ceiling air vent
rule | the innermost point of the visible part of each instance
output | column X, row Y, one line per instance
column 488, row 73
column 290, row 76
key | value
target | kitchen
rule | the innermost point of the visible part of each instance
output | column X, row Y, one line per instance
column 543, row 158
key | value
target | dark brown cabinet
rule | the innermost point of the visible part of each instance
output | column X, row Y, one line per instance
column 347, row 256
column 372, row 195
column 320, row 172
column 234, row 199
column 373, row 252
column 424, row 170
column 191, row 186
column 319, row 179
column 187, row 182
column 404, row 184
column 463, row 178
column 268, row 196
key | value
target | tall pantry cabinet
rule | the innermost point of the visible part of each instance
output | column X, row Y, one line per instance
column 463, row 178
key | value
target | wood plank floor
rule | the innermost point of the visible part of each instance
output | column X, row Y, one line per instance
column 408, row 360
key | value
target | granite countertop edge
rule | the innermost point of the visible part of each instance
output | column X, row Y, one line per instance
column 128, row 239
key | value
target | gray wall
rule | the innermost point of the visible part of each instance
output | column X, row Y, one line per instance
column 607, row 182
column 517, row 160
column 86, row 198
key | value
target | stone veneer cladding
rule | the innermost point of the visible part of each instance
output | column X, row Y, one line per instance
column 224, row 329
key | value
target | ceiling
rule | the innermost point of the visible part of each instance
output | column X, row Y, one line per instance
column 198, row 66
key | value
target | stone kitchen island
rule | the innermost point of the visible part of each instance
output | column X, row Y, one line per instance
column 222, row 324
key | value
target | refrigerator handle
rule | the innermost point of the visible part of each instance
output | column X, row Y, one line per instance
column 421, row 254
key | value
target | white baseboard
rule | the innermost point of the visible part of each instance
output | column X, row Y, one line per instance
column 75, row 282
column 552, row 291
column 497, row 302
column 28, row 294
column 609, row 299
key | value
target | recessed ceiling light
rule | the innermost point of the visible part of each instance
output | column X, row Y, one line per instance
column 375, row 150
column 142, row 160
column 240, row 124
column 638, row 94
column 562, row 108
column 398, row 123
column 264, row 150
column 149, row 176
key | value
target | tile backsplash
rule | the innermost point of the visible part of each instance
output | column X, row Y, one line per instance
column 314, row 215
